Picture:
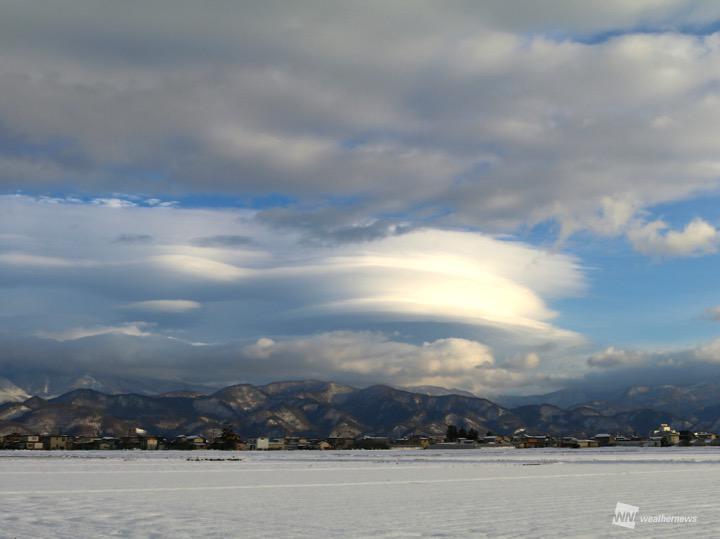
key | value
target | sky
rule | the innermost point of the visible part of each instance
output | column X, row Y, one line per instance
column 503, row 197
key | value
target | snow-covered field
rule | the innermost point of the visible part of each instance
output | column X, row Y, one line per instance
column 462, row 493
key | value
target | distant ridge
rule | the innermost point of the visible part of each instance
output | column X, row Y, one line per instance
column 437, row 391
column 322, row 409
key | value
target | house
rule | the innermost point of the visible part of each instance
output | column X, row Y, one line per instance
column 32, row 441
column 524, row 440
column 704, row 438
column 141, row 441
column 570, row 441
column 320, row 444
column 490, row 439
column 624, row 441
column 341, row 442
column 300, row 443
column 84, row 442
column 107, row 443
column 495, row 440
column 14, row 440
column 587, row 443
column 57, row 442
column 666, row 434
column 460, row 443
column 189, row 442
column 291, row 443
column 262, row 443
column 411, row 442
column 130, row 442
column 276, row 444
column 686, row 438
column 605, row 440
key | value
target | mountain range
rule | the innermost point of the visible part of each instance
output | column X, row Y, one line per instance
column 322, row 409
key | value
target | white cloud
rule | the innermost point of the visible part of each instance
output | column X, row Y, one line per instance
column 687, row 358
column 372, row 356
column 655, row 238
column 33, row 260
column 616, row 357
column 199, row 267
column 530, row 360
column 113, row 202
column 708, row 352
column 133, row 329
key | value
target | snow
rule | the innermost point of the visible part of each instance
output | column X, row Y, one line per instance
column 410, row 493
column 9, row 392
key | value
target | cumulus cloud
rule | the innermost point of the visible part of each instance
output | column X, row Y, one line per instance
column 655, row 238
column 687, row 358
column 615, row 357
column 531, row 360
column 375, row 356
column 708, row 352
column 359, row 358
column 616, row 369
column 113, row 202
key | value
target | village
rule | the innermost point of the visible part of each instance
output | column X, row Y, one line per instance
column 227, row 439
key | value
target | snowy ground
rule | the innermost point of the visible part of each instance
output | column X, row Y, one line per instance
column 461, row 493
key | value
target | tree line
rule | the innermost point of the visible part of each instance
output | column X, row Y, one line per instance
column 453, row 433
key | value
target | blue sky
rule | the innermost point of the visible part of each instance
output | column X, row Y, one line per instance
column 500, row 197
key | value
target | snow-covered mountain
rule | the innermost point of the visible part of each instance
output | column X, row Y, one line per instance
column 9, row 392
column 437, row 391
column 317, row 408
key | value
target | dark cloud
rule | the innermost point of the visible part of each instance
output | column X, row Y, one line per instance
column 625, row 367
column 133, row 238
column 333, row 225
column 223, row 240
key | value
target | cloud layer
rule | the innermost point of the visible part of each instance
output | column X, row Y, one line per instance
column 474, row 114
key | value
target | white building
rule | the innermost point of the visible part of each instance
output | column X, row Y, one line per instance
column 262, row 443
